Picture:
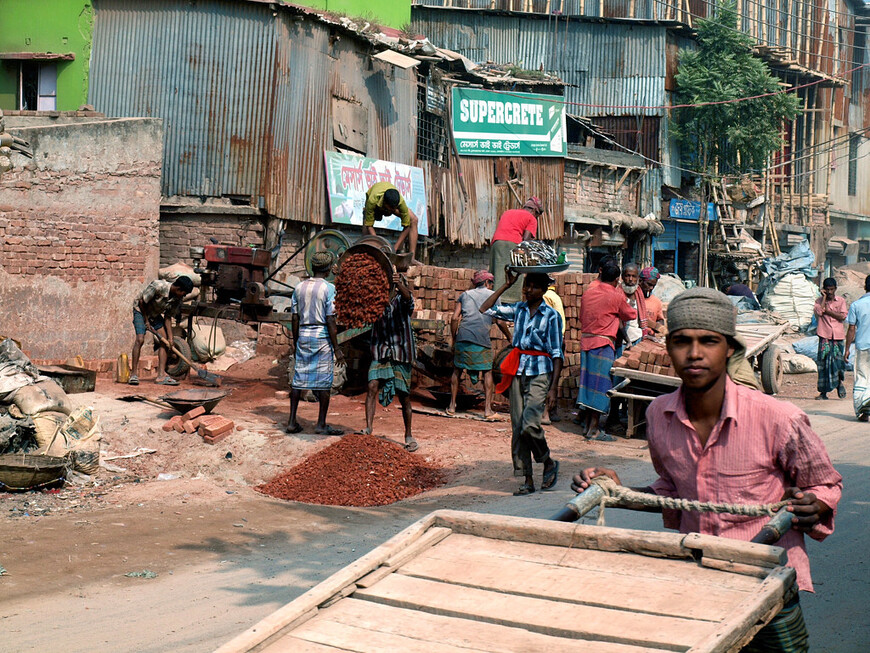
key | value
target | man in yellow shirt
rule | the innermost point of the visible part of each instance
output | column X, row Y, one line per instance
column 382, row 200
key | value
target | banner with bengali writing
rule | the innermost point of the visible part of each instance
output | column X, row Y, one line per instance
column 349, row 176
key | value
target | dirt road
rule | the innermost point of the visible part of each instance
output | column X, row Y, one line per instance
column 226, row 556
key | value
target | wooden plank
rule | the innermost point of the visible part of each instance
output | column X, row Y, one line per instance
column 292, row 644
column 750, row 553
column 430, row 539
column 476, row 635
column 305, row 604
column 353, row 638
column 586, row 560
column 676, row 598
column 649, row 377
column 542, row 531
column 538, row 615
column 748, row 618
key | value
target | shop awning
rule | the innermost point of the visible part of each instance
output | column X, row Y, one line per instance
column 574, row 214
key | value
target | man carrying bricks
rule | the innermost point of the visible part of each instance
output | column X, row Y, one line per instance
column 718, row 441
column 603, row 309
column 531, row 372
column 315, row 343
column 157, row 303
column 393, row 354
column 472, row 347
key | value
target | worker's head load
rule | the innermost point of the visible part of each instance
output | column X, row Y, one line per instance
column 481, row 277
column 533, row 205
column 322, row 261
column 702, row 308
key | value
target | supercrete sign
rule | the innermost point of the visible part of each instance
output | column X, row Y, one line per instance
column 488, row 123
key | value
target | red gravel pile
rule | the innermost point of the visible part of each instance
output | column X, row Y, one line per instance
column 362, row 291
column 358, row 470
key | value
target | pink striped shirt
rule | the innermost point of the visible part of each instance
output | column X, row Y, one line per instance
column 759, row 447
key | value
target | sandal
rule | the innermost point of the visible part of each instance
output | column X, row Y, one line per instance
column 166, row 380
column 329, row 430
column 841, row 391
column 133, row 380
column 604, row 437
column 296, row 428
column 524, row 489
column 411, row 445
column 550, row 476
column 449, row 413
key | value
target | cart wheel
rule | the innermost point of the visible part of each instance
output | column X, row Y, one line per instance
column 175, row 367
column 771, row 370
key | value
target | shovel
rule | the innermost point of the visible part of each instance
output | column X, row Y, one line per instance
column 208, row 378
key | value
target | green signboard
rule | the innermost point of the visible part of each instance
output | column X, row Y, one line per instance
column 487, row 123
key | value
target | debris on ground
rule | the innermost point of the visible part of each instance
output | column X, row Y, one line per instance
column 212, row 428
column 145, row 573
column 358, row 470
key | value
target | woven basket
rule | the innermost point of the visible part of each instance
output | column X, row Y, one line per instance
column 21, row 471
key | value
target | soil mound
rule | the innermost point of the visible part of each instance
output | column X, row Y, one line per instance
column 358, row 470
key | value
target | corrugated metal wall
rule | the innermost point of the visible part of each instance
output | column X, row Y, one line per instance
column 601, row 63
column 207, row 70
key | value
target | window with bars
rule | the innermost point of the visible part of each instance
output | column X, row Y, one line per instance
column 431, row 129
column 854, row 141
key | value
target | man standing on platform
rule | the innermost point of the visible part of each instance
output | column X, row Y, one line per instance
column 830, row 312
column 514, row 226
column 603, row 309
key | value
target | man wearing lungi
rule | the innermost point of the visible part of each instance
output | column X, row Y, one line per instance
column 315, row 343
column 383, row 200
column 830, row 312
column 655, row 315
column 531, row 371
column 514, row 226
column 393, row 354
column 603, row 309
column 858, row 332
column 715, row 440
column 472, row 346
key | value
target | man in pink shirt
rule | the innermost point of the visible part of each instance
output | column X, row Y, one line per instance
column 830, row 312
column 514, row 226
column 714, row 440
column 603, row 309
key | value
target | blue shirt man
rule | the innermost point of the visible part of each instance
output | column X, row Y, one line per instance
column 858, row 320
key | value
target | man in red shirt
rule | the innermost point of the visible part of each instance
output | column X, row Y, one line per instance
column 602, row 310
column 830, row 312
column 514, row 226
column 714, row 440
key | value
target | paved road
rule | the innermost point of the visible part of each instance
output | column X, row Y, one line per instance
column 223, row 567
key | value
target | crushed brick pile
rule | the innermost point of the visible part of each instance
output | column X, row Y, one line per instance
column 647, row 356
column 358, row 470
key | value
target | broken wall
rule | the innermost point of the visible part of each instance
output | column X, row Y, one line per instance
column 79, row 235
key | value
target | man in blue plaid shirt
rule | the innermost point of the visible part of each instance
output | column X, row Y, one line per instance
column 531, row 371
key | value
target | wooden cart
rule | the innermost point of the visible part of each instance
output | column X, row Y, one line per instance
column 640, row 387
column 456, row 582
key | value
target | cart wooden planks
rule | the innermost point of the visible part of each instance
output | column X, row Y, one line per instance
column 456, row 582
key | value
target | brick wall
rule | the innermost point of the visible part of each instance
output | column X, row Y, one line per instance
column 593, row 188
column 78, row 235
column 180, row 231
column 452, row 256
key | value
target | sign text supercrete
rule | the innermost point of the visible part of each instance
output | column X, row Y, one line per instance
column 486, row 123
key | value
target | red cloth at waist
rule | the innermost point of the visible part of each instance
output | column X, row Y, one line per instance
column 511, row 364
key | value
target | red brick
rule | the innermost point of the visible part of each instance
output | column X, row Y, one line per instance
column 170, row 425
column 193, row 412
column 189, row 426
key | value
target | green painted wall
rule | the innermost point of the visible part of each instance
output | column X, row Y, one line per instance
column 57, row 26
column 396, row 13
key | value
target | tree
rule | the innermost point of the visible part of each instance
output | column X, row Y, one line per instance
column 737, row 137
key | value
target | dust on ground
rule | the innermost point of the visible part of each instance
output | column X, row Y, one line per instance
column 474, row 455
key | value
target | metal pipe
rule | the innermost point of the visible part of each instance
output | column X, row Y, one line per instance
column 580, row 504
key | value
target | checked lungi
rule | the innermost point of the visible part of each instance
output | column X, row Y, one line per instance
column 472, row 357
column 595, row 378
column 786, row 632
column 831, row 364
column 315, row 364
column 394, row 377
column 861, row 391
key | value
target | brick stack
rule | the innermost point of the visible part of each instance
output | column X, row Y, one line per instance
column 212, row 428
column 647, row 356
column 272, row 339
column 436, row 289
column 570, row 287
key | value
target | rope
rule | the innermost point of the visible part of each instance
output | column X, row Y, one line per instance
column 617, row 494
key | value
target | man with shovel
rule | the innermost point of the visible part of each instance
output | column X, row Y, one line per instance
column 154, row 307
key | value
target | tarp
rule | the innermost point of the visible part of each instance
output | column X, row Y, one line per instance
column 798, row 260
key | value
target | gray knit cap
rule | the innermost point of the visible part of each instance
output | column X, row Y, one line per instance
column 702, row 308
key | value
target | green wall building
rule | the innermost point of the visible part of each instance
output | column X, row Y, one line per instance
column 45, row 51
